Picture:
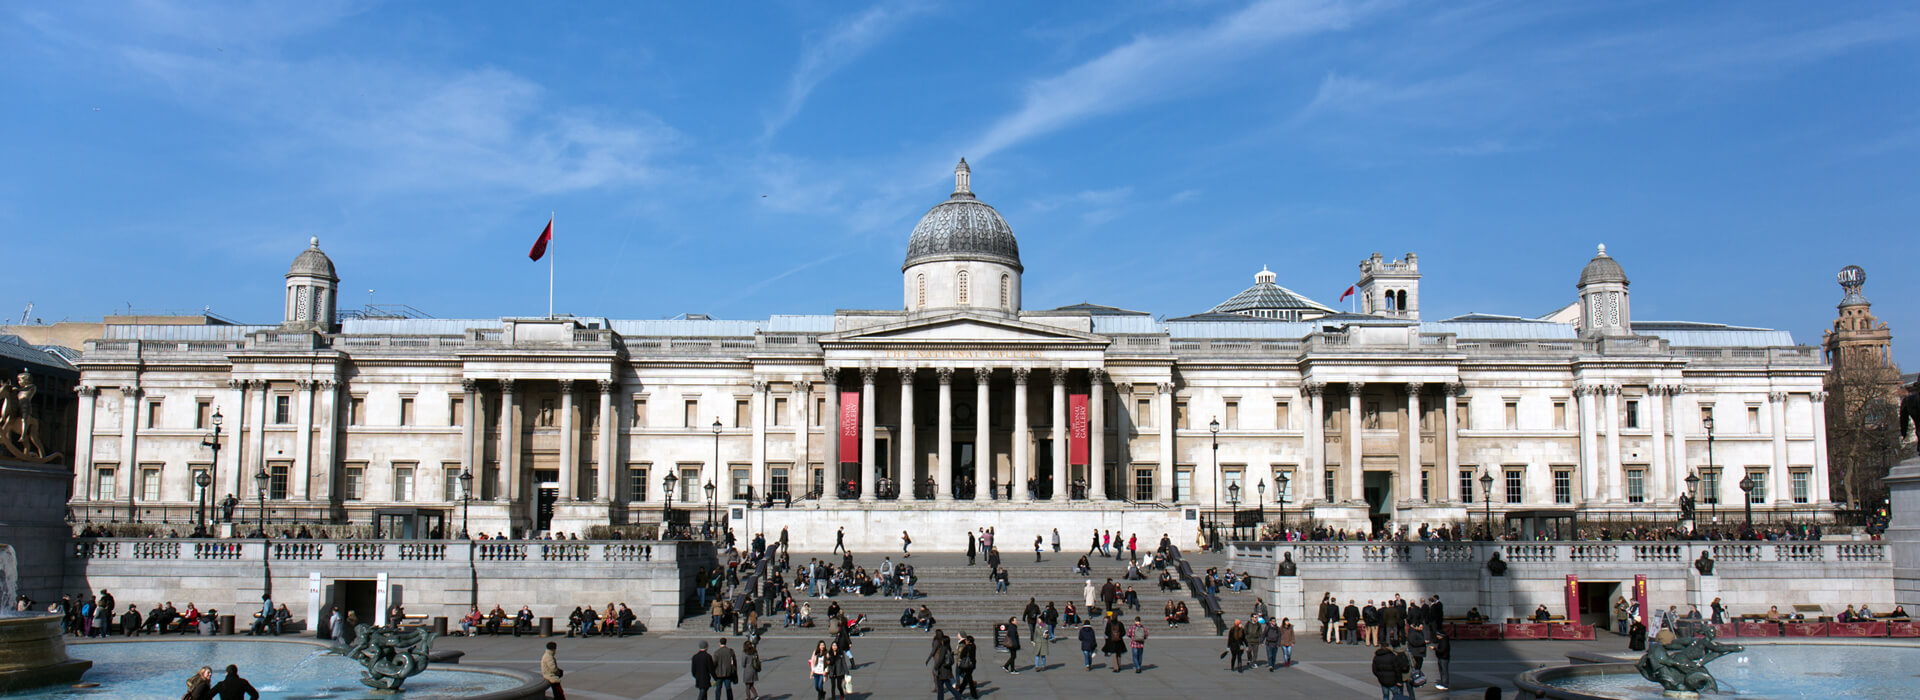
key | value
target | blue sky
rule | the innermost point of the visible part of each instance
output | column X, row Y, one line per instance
column 747, row 159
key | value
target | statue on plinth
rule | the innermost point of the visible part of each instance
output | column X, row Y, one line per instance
column 1704, row 564
column 1686, row 507
column 1287, row 567
column 390, row 654
column 1680, row 666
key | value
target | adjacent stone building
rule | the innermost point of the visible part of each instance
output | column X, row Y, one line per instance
column 956, row 408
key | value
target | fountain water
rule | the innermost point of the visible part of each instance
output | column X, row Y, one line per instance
column 32, row 650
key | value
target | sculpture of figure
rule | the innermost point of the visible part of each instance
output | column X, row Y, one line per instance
column 1910, row 414
column 1496, row 565
column 390, row 654
column 1287, row 567
column 1681, row 665
column 226, row 508
column 1686, row 506
column 1704, row 564
column 19, row 427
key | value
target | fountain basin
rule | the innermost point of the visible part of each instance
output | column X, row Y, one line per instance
column 1786, row 671
column 33, row 653
column 298, row 670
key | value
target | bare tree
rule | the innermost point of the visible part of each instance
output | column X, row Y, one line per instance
column 1863, row 427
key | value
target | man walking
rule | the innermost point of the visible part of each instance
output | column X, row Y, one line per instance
column 905, row 542
column 1088, row 642
column 726, row 668
column 1056, row 540
column 551, row 671
column 1417, row 649
column 702, row 670
column 1387, row 668
column 1270, row 638
column 1442, row 653
column 1329, row 614
column 970, row 549
column 839, row 541
column 1137, row 642
column 941, row 657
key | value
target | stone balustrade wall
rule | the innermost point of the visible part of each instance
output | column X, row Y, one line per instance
column 432, row 578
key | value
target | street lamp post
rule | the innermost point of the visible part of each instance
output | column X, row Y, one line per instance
column 666, row 503
column 716, row 474
column 1280, row 494
column 1486, row 499
column 1213, row 525
column 204, row 479
column 1713, row 494
column 1746, row 498
column 266, row 549
column 466, row 522
column 1693, row 499
column 1233, row 506
column 1261, row 505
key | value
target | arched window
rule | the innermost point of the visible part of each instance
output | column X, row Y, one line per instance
column 960, row 290
column 1389, row 300
column 1006, row 291
column 1402, row 301
column 920, row 291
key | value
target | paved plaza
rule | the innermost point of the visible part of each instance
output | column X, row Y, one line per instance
column 1178, row 666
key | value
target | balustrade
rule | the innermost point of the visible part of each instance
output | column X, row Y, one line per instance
column 218, row 551
column 1593, row 552
column 501, row 551
column 156, row 550
column 570, row 551
column 1529, row 552
column 389, row 550
column 301, row 550
column 360, row 551
column 423, row 551
column 1659, row 552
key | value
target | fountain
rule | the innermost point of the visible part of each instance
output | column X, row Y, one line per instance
column 32, row 651
column 390, row 654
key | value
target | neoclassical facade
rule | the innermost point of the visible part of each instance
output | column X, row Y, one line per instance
column 959, row 405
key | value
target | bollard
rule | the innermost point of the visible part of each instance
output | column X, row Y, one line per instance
column 226, row 625
column 440, row 626
column 546, row 627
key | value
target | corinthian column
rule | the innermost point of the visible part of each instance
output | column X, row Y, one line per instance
column 866, row 432
column 909, row 452
column 830, row 491
column 1356, row 482
column 1097, row 435
column 1061, row 481
column 982, row 436
column 1019, row 441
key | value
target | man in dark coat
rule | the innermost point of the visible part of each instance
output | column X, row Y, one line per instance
column 941, row 657
column 702, row 670
column 1442, row 654
column 726, row 668
column 970, row 549
column 233, row 687
column 1388, row 668
column 1436, row 614
column 1350, row 623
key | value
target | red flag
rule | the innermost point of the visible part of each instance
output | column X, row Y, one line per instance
column 540, row 245
column 850, row 426
column 1078, row 430
column 1343, row 295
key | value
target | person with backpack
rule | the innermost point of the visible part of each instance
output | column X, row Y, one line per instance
column 1137, row 643
column 1270, row 638
column 750, row 668
column 1387, row 668
column 1417, row 648
column 941, row 658
column 963, row 664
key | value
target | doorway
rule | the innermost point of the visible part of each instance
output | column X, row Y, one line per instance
column 1377, row 487
column 1043, row 469
column 960, row 477
column 357, row 596
column 1596, row 603
column 549, row 481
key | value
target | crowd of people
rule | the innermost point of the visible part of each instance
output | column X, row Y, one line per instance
column 1401, row 631
column 1794, row 532
column 89, row 615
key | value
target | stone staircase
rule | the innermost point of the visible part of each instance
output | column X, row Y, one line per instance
column 961, row 597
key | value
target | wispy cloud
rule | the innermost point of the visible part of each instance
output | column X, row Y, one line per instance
column 837, row 48
column 1341, row 94
column 1159, row 67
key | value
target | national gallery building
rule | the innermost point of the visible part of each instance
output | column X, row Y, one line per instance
column 955, row 409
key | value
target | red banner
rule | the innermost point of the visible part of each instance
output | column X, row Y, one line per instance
column 1571, row 631
column 1903, row 628
column 1857, row 629
column 1759, row 629
column 1077, row 435
column 1573, row 598
column 1528, row 630
column 1806, row 629
column 849, row 426
column 1467, row 630
column 1726, row 630
column 1640, row 597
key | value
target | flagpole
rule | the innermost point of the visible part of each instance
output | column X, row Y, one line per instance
column 550, row 255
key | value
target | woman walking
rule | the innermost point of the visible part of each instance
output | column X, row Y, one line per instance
column 1010, row 634
column 817, row 666
column 963, row 665
column 750, row 668
column 1236, row 645
column 1116, row 640
column 839, row 667
column 1286, row 642
column 941, row 658
column 200, row 686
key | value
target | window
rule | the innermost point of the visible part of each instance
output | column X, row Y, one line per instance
column 1563, row 486
column 740, row 481
column 1143, row 413
column 1426, row 485
column 150, row 482
column 203, row 414
column 1328, row 486
column 960, row 290
column 1461, row 415
column 1800, row 490
column 920, row 290
column 1235, row 475
column 1142, row 482
column 103, row 486
column 1179, row 415
column 406, row 410
column 153, row 414
column 1233, row 415
column 1633, row 414
column 1282, row 416
column 1636, row 486
column 193, row 477
column 777, row 481
column 1513, row 415
column 689, row 482
column 742, row 414
column 1710, row 486
column 450, row 482
column 282, row 409
column 1466, row 484
column 356, row 410
column 1559, row 415
column 637, row 481
column 1759, row 492
column 1706, row 416
column 277, row 473
column 1006, row 291
column 356, row 480
column 1514, row 476
column 779, row 410
column 1753, row 418
column 819, row 410
column 691, row 418
column 819, row 472
column 1283, row 487
column 592, row 488
column 403, row 482
column 457, row 411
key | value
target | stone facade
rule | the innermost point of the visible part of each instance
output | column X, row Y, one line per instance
column 565, row 423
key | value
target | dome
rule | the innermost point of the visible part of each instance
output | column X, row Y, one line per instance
column 1265, row 296
column 1602, row 269
column 962, row 227
column 313, row 263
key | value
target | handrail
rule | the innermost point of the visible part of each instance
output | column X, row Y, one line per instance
column 1209, row 603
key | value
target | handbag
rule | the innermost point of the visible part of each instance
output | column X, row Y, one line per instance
column 846, row 684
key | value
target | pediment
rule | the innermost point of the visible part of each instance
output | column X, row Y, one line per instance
column 963, row 328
